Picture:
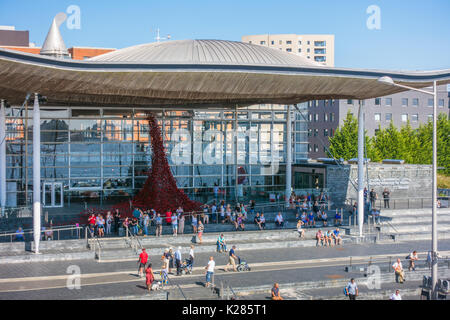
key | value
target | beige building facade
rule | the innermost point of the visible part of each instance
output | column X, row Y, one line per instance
column 315, row 47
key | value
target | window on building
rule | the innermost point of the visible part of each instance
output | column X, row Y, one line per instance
column 288, row 42
column 288, row 49
column 299, row 50
column 309, row 148
column 325, row 117
column 320, row 58
column 415, row 102
column 316, row 148
column 388, row 116
column 377, row 101
column 325, row 132
column 250, row 42
column 308, row 43
column 320, row 43
column 316, row 117
column 404, row 102
column 389, row 102
column 404, row 117
column 414, row 117
column 262, row 42
column 320, row 51
column 272, row 42
column 350, row 101
column 308, row 57
column 430, row 117
column 430, row 102
column 332, row 117
column 299, row 42
column 310, row 117
column 441, row 103
column 378, row 117
column 331, row 132
column 309, row 132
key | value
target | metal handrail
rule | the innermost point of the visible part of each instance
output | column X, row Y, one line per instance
column 228, row 286
column 57, row 230
column 97, row 243
column 176, row 285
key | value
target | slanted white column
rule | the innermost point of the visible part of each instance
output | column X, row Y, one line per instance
column 36, row 173
column 288, row 154
column 3, row 155
column 360, row 168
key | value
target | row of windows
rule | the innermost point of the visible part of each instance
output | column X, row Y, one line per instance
column 415, row 102
column 289, row 42
column 326, row 117
column 404, row 117
column 316, row 148
column 326, row 132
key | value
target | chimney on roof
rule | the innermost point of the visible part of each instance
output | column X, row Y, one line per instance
column 54, row 44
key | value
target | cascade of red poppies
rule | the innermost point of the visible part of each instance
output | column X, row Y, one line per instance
column 160, row 191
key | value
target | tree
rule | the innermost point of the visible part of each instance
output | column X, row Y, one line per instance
column 344, row 144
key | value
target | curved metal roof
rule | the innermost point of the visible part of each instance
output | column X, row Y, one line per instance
column 169, row 74
column 204, row 52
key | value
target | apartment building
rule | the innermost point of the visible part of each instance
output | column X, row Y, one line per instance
column 315, row 47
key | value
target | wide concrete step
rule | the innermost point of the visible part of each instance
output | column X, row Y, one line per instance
column 443, row 219
column 413, row 227
column 413, row 212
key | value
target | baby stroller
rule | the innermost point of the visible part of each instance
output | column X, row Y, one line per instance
column 242, row 265
column 186, row 267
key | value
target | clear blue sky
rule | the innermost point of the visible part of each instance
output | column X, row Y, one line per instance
column 414, row 35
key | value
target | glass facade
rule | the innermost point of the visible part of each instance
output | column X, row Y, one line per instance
column 102, row 155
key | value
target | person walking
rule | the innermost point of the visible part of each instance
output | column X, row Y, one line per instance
column 398, row 270
column 386, row 196
column 194, row 223
column 108, row 223
column 191, row 256
column 149, row 277
column 178, row 260
column 146, row 223
column 181, row 220
column 116, row 221
column 413, row 257
column 200, row 231
column 352, row 289
column 210, row 272
column 143, row 258
column 231, row 259
column 174, row 221
column 158, row 222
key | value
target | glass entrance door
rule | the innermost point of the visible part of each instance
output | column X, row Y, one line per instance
column 53, row 195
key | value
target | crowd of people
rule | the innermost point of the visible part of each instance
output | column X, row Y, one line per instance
column 308, row 209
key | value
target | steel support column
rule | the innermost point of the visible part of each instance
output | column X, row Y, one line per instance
column 36, row 173
column 361, row 168
column 3, row 155
column 288, row 155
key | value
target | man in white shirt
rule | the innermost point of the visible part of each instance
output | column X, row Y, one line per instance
column 279, row 221
column 210, row 271
column 413, row 257
column 398, row 270
column 396, row 295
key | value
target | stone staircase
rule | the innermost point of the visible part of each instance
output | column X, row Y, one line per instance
column 121, row 249
column 408, row 224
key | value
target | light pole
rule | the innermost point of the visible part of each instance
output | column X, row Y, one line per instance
column 434, row 269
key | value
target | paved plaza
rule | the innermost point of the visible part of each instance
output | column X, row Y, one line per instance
column 315, row 272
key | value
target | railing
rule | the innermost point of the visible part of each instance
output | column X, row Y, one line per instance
column 135, row 243
column 16, row 212
column 402, row 203
column 97, row 246
column 177, row 286
column 224, row 285
column 44, row 234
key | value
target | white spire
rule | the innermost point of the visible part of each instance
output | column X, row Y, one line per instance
column 54, row 43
